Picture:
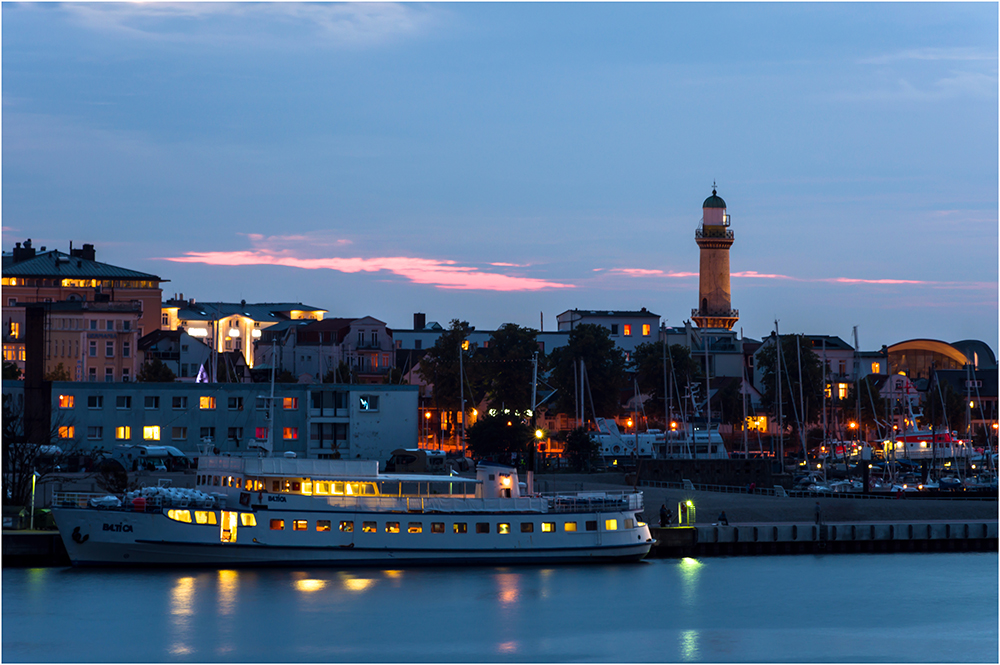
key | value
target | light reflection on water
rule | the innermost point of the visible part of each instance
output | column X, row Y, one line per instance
column 752, row 609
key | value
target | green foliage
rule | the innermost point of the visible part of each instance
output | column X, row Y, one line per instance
column 58, row 373
column 498, row 436
column 682, row 369
column 727, row 404
column 439, row 366
column 582, row 452
column 284, row 376
column 952, row 412
column 340, row 374
column 507, row 375
column 869, row 398
column 155, row 371
column 11, row 372
column 605, row 365
column 812, row 379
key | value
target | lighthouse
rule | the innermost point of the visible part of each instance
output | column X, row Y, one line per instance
column 714, row 238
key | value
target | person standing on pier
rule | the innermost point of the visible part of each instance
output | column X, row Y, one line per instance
column 664, row 515
column 818, row 518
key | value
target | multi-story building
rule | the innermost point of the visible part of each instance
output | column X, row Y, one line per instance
column 84, row 295
column 315, row 421
column 183, row 354
column 628, row 329
column 228, row 326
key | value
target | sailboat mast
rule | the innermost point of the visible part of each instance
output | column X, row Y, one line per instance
column 781, row 419
column 802, row 402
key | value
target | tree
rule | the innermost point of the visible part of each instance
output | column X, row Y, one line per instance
column 439, row 366
column 582, row 452
column 340, row 374
column 154, row 371
column 58, row 373
column 728, row 404
column 22, row 458
column 508, row 379
column 605, row 370
column 873, row 412
column 11, row 372
column 812, row 379
column 498, row 437
column 682, row 370
column 284, row 376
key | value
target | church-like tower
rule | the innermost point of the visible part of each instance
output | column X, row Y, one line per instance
column 714, row 238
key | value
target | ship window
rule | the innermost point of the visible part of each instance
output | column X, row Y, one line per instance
column 460, row 527
column 338, row 488
column 238, row 483
column 349, row 526
column 610, row 525
column 322, row 525
column 548, row 527
column 300, row 525
column 180, row 515
column 392, row 527
column 591, row 525
column 482, row 527
column 277, row 525
column 248, row 519
column 569, row 526
column 368, row 527
column 415, row 527
column 527, row 527
column 204, row 517
column 629, row 523
column 296, row 486
column 322, row 487
column 437, row 527
column 275, row 485
column 503, row 527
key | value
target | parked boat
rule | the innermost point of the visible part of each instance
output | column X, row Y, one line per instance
column 280, row 511
column 615, row 445
column 693, row 441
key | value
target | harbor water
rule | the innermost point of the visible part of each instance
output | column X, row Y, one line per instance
column 939, row 607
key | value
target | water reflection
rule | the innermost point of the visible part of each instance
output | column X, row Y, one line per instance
column 689, row 645
column 228, row 584
column 690, row 571
column 509, row 588
column 181, row 610
column 507, row 647
column 310, row 585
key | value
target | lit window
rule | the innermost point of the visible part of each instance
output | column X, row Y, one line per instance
column 627, row 329
column 290, row 402
column 645, row 330
column 123, row 432
column 261, row 433
column 415, row 527
column 300, row 525
column 277, row 525
column 322, row 525
column 151, row 432
column 569, row 526
column 875, row 368
column 65, row 401
column 368, row 527
column 179, row 515
column 368, row 402
column 527, row 527
column 248, row 519
column 15, row 329
column 392, row 527
column 610, row 525
column 348, row 527
column 503, row 527
column 548, row 527
column 460, row 527
column 204, row 517
column 66, row 432
column 322, row 487
column 841, row 391
column 290, row 433
column 437, row 527
column 205, row 402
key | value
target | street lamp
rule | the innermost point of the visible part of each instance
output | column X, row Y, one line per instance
column 34, row 476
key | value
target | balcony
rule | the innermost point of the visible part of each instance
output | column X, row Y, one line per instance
column 713, row 231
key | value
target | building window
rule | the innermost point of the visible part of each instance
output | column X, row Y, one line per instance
column 93, row 325
column 93, row 348
column 152, row 401
column 179, row 433
column 126, row 374
column 15, row 329
column 66, row 432
column 261, row 433
column 290, row 403
column 290, row 433
column 374, row 339
column 235, row 403
column 165, row 320
column 419, row 344
column 368, row 402
column 95, row 433
column 207, row 433
column 109, row 374
column 841, row 391
column 126, row 350
column 179, row 402
column 627, row 329
column 234, row 433
column 109, row 349
column 875, row 368
column 92, row 374
column 126, row 326
column 123, row 432
column 206, row 402
column 361, row 339
column 66, row 401
column 645, row 330
column 151, row 433
column 614, row 328
column 123, row 401
column 110, row 324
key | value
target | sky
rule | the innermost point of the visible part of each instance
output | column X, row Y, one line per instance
column 503, row 163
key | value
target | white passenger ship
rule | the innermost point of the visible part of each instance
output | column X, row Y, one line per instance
column 279, row 511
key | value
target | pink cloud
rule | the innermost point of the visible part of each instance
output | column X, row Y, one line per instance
column 645, row 272
column 442, row 274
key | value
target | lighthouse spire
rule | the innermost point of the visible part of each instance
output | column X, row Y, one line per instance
column 714, row 239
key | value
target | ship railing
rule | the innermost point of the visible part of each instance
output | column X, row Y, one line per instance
column 593, row 501
column 75, row 499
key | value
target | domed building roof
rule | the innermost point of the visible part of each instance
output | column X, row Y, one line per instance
column 714, row 201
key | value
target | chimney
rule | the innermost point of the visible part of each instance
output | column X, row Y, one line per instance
column 23, row 253
column 88, row 252
column 419, row 321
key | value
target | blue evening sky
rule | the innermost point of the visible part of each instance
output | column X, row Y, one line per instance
column 493, row 162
